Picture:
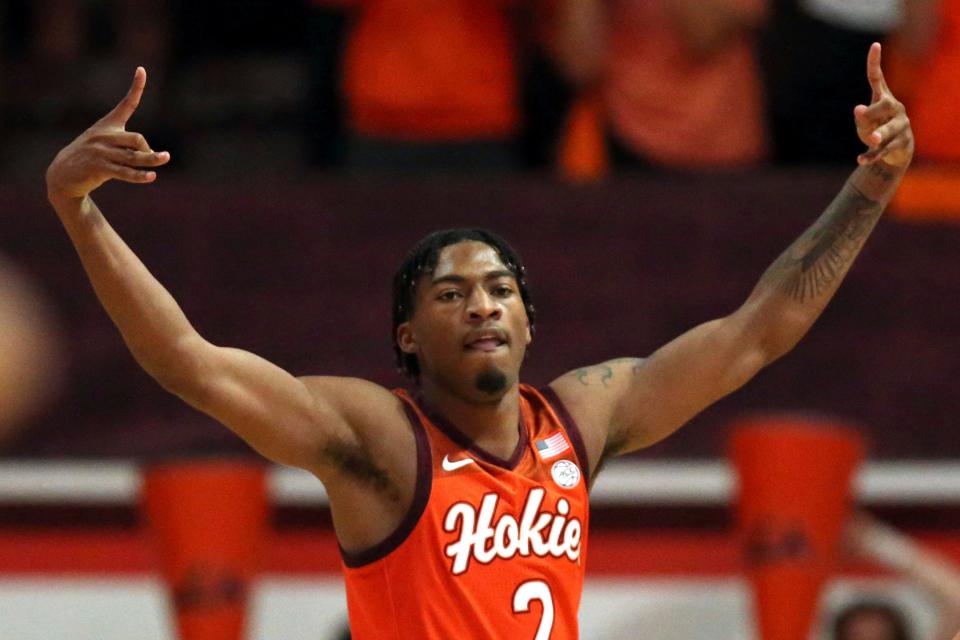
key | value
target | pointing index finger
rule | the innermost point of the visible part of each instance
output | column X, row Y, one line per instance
column 875, row 72
column 126, row 107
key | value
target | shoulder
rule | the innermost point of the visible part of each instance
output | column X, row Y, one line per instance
column 591, row 395
column 594, row 389
column 370, row 471
column 345, row 391
column 373, row 414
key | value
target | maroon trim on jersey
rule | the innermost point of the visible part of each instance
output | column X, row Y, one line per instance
column 421, row 495
column 461, row 439
column 572, row 430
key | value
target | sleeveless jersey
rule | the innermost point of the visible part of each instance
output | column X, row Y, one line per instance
column 490, row 548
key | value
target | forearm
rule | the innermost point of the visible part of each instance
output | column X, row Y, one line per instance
column 152, row 324
column 796, row 288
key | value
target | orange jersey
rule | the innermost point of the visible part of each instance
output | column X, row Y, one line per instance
column 933, row 116
column 490, row 548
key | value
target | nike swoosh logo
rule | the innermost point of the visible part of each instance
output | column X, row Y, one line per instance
column 453, row 465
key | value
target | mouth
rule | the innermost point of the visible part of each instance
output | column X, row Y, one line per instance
column 489, row 344
column 486, row 341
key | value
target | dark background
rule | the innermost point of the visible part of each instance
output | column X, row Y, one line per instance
column 298, row 271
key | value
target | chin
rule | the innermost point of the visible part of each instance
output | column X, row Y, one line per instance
column 492, row 382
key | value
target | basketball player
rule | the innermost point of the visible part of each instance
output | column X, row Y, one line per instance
column 461, row 508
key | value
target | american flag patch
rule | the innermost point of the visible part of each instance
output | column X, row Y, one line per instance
column 552, row 446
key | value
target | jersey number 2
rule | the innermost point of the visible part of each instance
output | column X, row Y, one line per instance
column 536, row 590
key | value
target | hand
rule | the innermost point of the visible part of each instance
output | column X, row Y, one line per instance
column 883, row 126
column 105, row 151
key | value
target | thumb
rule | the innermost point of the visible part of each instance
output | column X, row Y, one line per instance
column 128, row 105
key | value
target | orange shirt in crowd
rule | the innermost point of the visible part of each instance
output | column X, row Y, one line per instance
column 674, row 108
column 431, row 70
column 933, row 113
column 490, row 548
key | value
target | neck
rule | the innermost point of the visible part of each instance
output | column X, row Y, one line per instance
column 491, row 425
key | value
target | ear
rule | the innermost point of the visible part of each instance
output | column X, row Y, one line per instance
column 405, row 339
column 529, row 334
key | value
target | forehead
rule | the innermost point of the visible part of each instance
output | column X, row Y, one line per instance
column 468, row 258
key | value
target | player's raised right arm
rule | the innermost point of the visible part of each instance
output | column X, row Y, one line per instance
column 276, row 413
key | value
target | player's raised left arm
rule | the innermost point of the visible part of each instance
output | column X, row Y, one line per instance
column 630, row 404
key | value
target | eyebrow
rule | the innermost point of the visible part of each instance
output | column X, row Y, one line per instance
column 490, row 275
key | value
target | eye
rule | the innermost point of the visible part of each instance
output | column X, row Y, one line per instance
column 502, row 291
column 449, row 295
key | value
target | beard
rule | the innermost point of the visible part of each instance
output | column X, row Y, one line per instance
column 491, row 381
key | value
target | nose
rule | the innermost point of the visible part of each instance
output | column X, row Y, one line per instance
column 482, row 306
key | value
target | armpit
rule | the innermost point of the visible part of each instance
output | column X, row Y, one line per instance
column 354, row 460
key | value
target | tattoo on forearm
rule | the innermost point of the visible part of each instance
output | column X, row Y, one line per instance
column 878, row 171
column 815, row 263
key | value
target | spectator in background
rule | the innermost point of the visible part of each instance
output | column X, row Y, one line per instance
column 929, row 48
column 871, row 620
column 59, row 59
column 877, row 619
column 69, row 50
column 810, row 64
column 431, row 84
column 326, row 26
column 677, row 80
column 139, row 31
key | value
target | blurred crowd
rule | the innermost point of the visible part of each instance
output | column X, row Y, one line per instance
column 580, row 86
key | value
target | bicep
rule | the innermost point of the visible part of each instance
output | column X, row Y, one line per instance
column 276, row 413
column 590, row 395
column 630, row 403
column 685, row 376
